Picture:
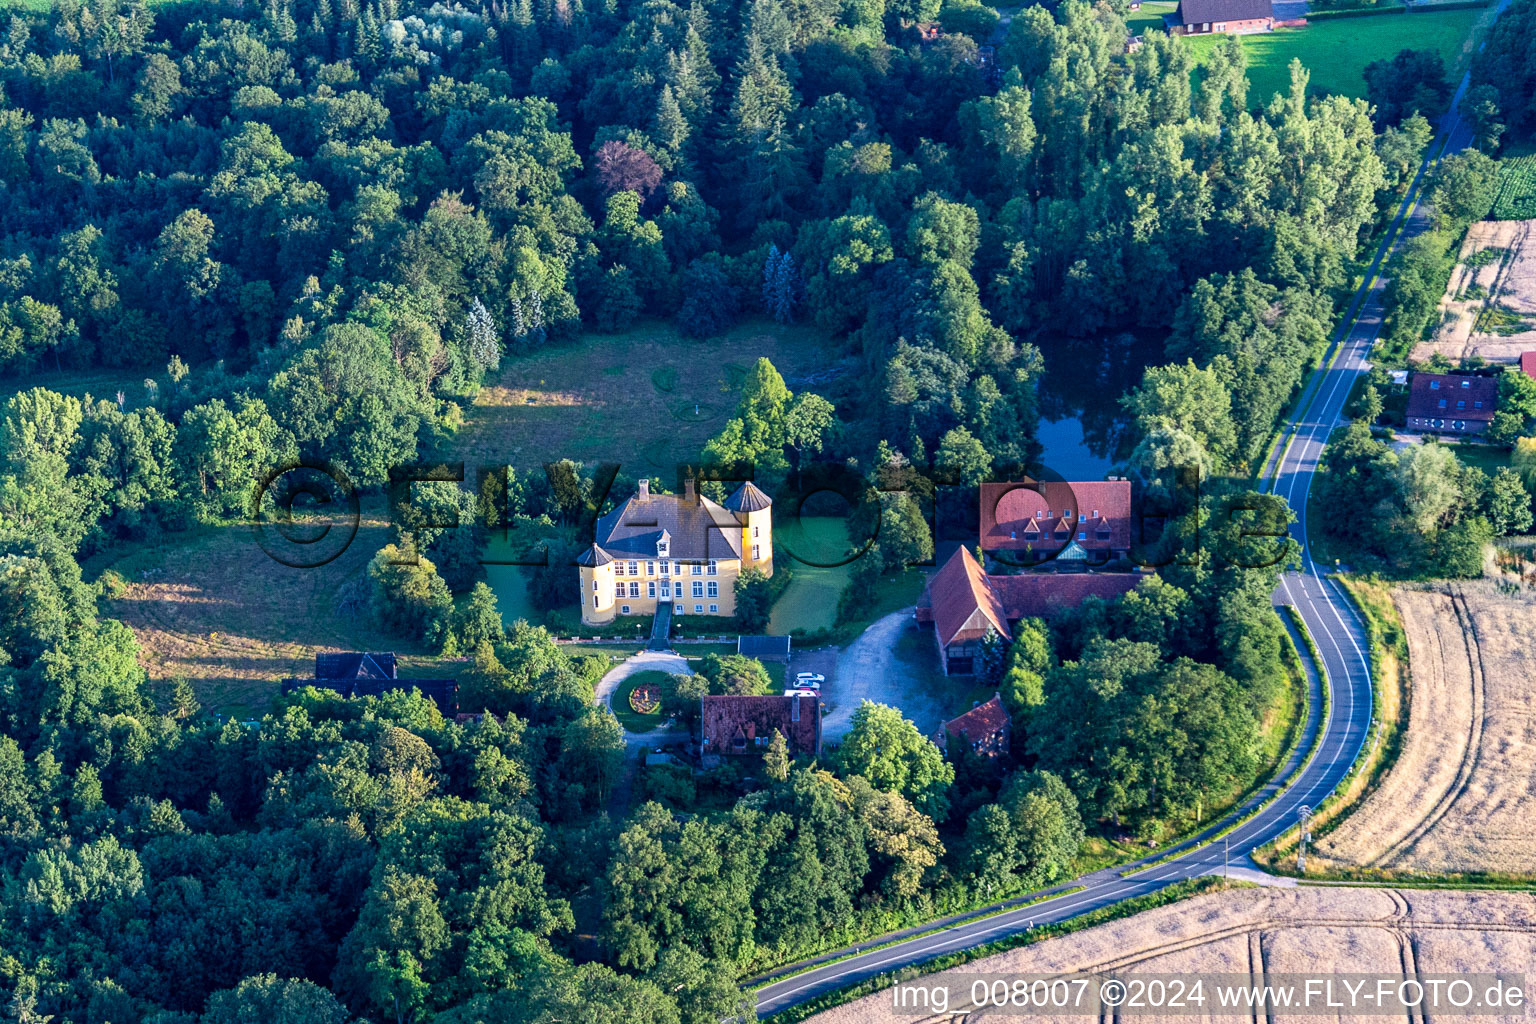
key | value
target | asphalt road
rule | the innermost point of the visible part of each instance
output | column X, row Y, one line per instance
column 1330, row 618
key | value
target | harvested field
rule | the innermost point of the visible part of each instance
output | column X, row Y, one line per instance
column 210, row 606
column 1306, row 929
column 1461, row 796
column 1489, row 307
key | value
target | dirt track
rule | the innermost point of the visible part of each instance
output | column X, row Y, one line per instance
column 1462, row 795
column 1306, row 929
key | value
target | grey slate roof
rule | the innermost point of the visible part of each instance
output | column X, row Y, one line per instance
column 594, row 555
column 699, row 528
column 355, row 665
column 747, row 498
column 1195, row 12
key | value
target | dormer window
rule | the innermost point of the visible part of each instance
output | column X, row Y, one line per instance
column 1434, row 385
column 1095, row 513
column 663, row 545
column 1442, row 403
column 1466, row 383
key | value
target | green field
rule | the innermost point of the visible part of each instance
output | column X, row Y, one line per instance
column 1517, row 187
column 1149, row 17
column 1337, row 51
column 648, row 398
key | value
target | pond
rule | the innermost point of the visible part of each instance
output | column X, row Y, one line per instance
column 1083, row 429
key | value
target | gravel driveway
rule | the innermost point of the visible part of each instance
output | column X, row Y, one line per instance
column 870, row 669
column 660, row 661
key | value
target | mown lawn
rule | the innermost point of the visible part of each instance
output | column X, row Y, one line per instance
column 1149, row 17
column 1337, row 51
column 810, row 600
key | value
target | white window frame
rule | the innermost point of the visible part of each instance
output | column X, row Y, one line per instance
column 698, row 609
column 714, row 608
column 698, row 589
column 757, row 553
column 713, row 589
column 698, row 570
column 650, row 589
column 650, row 568
column 624, row 609
column 714, row 568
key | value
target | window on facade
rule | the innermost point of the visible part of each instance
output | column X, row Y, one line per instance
column 755, row 552
column 650, row 589
column 698, row 570
column 634, row 590
column 650, row 568
column 624, row 609
column 1442, row 403
column 594, row 586
column 713, row 568
column 594, row 600
column 698, row 609
column 634, row 568
column 1434, row 385
column 618, row 568
column 1082, row 534
column 714, row 608
column 698, row 589
column 678, row 609
column 714, row 589
column 1095, row 513
column 1461, row 404
column 1466, row 383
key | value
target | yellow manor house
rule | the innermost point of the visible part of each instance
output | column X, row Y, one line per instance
column 682, row 548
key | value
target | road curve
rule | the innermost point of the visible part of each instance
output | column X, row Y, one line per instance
column 1330, row 618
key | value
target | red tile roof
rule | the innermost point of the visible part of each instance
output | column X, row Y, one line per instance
column 961, row 603
column 1449, row 396
column 1016, row 516
column 1528, row 364
column 965, row 603
column 745, row 725
column 981, row 722
column 1038, row 595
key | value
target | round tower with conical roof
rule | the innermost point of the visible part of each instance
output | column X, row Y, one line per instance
column 597, row 596
column 754, row 510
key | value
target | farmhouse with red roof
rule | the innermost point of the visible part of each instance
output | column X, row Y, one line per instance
column 1087, row 519
column 1449, row 403
column 738, row 726
column 985, row 730
column 964, row 605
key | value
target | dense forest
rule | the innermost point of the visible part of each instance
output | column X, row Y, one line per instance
column 316, row 226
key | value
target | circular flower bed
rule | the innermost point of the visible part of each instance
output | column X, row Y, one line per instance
column 645, row 700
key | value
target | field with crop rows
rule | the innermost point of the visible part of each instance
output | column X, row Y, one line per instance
column 1517, row 188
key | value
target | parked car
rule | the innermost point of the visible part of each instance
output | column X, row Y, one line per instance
column 810, row 680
